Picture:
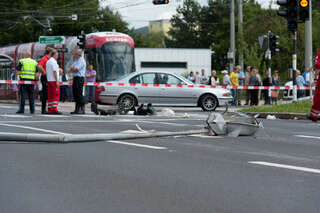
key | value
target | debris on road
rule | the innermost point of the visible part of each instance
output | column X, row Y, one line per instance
column 166, row 112
column 232, row 124
column 271, row 117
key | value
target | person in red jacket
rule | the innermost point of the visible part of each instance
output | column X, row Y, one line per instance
column 315, row 109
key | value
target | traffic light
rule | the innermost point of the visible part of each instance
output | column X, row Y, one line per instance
column 82, row 41
column 274, row 44
column 290, row 12
column 304, row 10
column 160, row 1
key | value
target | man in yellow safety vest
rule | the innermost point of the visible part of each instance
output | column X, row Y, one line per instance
column 27, row 69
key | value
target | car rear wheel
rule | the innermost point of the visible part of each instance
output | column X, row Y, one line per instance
column 208, row 102
column 127, row 102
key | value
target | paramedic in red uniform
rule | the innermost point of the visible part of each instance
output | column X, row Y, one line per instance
column 44, row 82
column 315, row 110
column 53, row 70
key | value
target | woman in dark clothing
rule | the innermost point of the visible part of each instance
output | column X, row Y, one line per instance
column 275, row 82
column 254, row 81
column 266, row 82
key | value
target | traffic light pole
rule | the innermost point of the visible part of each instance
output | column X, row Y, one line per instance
column 294, row 66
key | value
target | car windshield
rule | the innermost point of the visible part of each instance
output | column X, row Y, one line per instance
column 184, row 79
column 124, row 76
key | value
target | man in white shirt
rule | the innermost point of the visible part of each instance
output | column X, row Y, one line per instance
column 203, row 78
column 53, row 70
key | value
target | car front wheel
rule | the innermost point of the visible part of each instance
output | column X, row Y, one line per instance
column 208, row 102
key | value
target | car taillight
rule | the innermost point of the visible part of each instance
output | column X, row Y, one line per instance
column 103, row 89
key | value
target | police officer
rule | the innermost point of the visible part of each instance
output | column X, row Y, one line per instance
column 27, row 68
column 78, row 70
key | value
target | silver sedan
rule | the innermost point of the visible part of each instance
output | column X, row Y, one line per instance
column 162, row 89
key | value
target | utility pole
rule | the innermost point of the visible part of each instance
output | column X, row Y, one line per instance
column 240, row 27
column 231, row 53
column 294, row 66
column 308, row 46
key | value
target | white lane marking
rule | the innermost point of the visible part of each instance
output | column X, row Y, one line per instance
column 205, row 136
column 298, row 168
column 54, row 116
column 137, row 145
column 15, row 116
column 33, row 128
column 307, row 136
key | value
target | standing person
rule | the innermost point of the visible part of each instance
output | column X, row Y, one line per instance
column 53, row 73
column 275, row 82
column 226, row 79
column 267, row 83
column 300, row 83
column 43, row 79
column 203, row 77
column 27, row 68
column 254, row 81
column 307, row 77
column 213, row 79
column 197, row 78
column 78, row 70
column 248, row 75
column 315, row 109
column 241, row 78
column 90, row 78
column 235, row 83
column 15, row 87
column 191, row 77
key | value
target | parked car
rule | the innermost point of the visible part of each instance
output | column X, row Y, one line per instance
column 162, row 89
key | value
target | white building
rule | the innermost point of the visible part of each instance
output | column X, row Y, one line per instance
column 175, row 60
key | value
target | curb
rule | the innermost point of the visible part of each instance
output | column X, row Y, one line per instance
column 278, row 115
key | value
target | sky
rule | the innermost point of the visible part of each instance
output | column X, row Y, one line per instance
column 138, row 13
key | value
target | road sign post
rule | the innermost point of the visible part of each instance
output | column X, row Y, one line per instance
column 52, row 39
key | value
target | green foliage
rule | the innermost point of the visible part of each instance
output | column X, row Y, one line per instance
column 16, row 28
column 208, row 26
column 150, row 39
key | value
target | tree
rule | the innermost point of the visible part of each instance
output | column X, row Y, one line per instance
column 19, row 24
column 150, row 39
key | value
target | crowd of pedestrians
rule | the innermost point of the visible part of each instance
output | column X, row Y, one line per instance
column 250, row 77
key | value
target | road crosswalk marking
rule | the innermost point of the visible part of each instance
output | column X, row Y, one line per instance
column 138, row 145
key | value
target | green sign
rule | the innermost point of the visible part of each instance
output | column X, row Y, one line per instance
column 52, row 39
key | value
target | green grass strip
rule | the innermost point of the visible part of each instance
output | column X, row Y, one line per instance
column 298, row 107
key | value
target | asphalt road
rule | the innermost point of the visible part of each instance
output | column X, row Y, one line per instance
column 276, row 171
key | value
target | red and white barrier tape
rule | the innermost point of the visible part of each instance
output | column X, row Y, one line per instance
column 165, row 85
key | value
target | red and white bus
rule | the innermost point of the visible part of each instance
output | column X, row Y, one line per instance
column 111, row 53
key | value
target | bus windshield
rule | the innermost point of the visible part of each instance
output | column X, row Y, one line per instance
column 115, row 60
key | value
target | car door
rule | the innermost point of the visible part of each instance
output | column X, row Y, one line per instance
column 172, row 94
column 144, row 89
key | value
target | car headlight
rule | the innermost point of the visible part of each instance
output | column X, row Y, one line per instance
column 226, row 94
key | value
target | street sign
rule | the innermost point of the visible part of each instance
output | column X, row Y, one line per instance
column 52, row 39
